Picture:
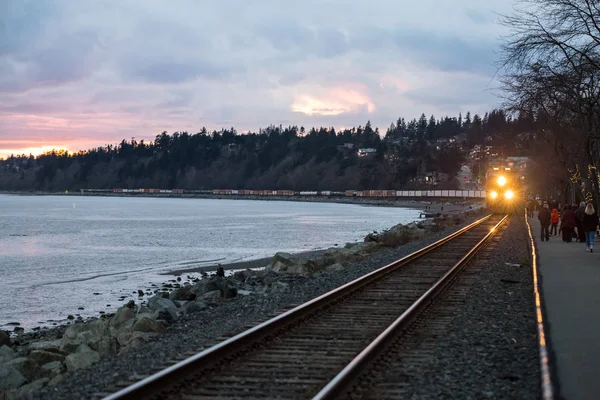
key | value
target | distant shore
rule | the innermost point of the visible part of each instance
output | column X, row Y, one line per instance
column 450, row 205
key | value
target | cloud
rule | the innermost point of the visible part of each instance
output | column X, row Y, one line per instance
column 97, row 72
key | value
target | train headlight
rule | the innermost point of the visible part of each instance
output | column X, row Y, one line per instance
column 509, row 194
column 501, row 181
column 493, row 195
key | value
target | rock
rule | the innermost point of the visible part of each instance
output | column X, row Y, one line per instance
column 53, row 368
column 44, row 357
column 334, row 267
column 341, row 255
column 130, row 304
column 164, row 317
column 95, row 334
column 212, row 298
column 241, row 276
column 18, row 330
column 283, row 262
column 194, row 307
column 123, row 315
column 363, row 248
column 26, row 367
column 10, row 378
column 140, row 293
column 227, row 288
column 161, row 306
column 146, row 324
column 138, row 338
column 242, row 292
column 70, row 316
column 49, row 345
column 6, row 354
column 4, row 338
column 83, row 358
column 29, row 391
column 182, row 294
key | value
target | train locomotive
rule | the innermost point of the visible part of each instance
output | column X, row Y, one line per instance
column 504, row 192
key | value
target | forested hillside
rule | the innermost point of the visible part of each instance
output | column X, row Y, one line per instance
column 276, row 157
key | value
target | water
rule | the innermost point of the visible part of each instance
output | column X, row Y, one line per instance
column 60, row 253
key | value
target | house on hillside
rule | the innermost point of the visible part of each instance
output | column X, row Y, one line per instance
column 366, row 152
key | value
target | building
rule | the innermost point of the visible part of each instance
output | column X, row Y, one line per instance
column 366, row 152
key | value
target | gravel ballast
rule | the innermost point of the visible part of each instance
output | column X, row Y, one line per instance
column 489, row 348
column 195, row 332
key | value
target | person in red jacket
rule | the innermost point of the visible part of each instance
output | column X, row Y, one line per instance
column 554, row 219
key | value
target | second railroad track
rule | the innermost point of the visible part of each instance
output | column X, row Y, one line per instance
column 315, row 349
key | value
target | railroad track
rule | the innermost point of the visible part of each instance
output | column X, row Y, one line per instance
column 317, row 349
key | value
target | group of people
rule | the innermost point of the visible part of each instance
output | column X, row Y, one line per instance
column 576, row 222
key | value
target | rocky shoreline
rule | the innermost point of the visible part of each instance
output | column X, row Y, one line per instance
column 54, row 362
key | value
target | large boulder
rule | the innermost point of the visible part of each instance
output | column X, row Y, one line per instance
column 148, row 325
column 212, row 298
column 341, row 255
column 182, row 294
column 29, row 391
column 6, row 354
column 123, row 316
column 44, row 357
column 283, row 262
column 26, row 367
column 397, row 235
column 227, row 287
column 4, row 338
column 10, row 378
column 163, row 308
column 95, row 334
column 82, row 358
column 53, row 369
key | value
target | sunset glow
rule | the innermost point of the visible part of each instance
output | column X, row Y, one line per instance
column 94, row 73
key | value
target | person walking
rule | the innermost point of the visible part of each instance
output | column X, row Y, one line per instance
column 567, row 224
column 580, row 212
column 554, row 222
column 544, row 217
column 590, row 223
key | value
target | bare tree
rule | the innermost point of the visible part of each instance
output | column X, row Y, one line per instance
column 551, row 68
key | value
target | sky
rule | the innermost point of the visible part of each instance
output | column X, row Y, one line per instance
column 80, row 74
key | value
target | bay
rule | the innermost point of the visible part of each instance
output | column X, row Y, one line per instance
column 56, row 252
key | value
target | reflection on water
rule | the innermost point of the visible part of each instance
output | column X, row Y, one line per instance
column 57, row 251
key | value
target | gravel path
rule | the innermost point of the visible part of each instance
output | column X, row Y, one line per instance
column 489, row 347
column 195, row 332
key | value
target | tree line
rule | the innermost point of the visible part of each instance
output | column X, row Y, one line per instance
column 550, row 70
column 275, row 157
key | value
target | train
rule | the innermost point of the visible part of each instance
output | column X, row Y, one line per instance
column 475, row 194
column 504, row 190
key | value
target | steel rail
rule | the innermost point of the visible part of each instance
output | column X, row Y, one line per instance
column 335, row 388
column 547, row 380
column 157, row 382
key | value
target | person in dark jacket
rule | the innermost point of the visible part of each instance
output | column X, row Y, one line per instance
column 567, row 224
column 589, row 223
column 544, row 217
column 580, row 212
column 220, row 270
